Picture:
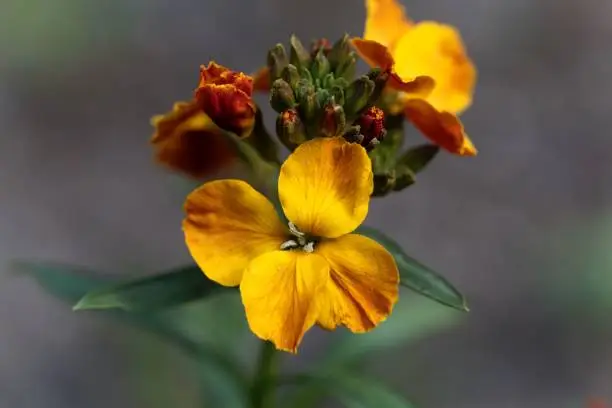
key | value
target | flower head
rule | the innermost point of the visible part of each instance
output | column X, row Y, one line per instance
column 190, row 137
column 425, row 49
column 313, row 270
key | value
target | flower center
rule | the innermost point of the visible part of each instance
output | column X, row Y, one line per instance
column 299, row 241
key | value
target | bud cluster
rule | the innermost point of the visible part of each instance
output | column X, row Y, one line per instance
column 316, row 94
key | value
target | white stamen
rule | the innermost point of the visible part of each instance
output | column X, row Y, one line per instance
column 309, row 247
column 295, row 231
column 291, row 244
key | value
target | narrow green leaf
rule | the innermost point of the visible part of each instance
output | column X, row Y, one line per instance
column 152, row 293
column 66, row 282
column 418, row 157
column 353, row 390
column 411, row 320
column 416, row 276
column 225, row 380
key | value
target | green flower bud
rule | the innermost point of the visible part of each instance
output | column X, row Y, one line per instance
column 290, row 129
column 307, row 100
column 277, row 61
column 380, row 79
column 333, row 121
column 346, row 68
column 337, row 93
column 339, row 53
column 291, row 75
column 281, row 96
column 357, row 95
column 299, row 56
column 320, row 66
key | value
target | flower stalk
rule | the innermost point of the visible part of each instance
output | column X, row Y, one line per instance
column 262, row 388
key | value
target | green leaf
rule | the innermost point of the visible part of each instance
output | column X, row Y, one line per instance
column 225, row 380
column 418, row 157
column 416, row 276
column 152, row 293
column 411, row 320
column 66, row 282
column 352, row 390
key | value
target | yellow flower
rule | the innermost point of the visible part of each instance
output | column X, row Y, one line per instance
column 426, row 49
column 313, row 270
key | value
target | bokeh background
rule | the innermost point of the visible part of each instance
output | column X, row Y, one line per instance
column 523, row 229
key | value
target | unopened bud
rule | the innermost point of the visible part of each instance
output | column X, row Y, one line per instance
column 380, row 79
column 306, row 98
column 320, row 66
column 299, row 56
column 277, row 61
column 281, row 96
column 290, row 129
column 346, row 67
column 291, row 75
column 337, row 93
column 357, row 95
column 333, row 121
column 340, row 52
column 321, row 44
column 372, row 125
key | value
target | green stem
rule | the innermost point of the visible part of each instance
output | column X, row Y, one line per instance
column 262, row 395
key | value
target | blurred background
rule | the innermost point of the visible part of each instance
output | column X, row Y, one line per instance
column 523, row 229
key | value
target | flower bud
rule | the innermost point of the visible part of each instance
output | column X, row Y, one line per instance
column 225, row 96
column 346, row 67
column 291, row 75
column 380, row 79
column 298, row 56
column 372, row 125
column 322, row 44
column 337, row 93
column 357, row 95
column 281, row 96
column 290, row 129
column 320, row 66
column 306, row 98
column 277, row 61
column 333, row 121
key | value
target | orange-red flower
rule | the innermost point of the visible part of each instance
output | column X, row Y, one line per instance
column 190, row 138
column 429, row 49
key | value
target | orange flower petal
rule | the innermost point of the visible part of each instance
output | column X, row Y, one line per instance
column 442, row 128
column 228, row 224
column 363, row 284
column 187, row 140
column 230, row 108
column 215, row 74
column 261, row 80
column 386, row 22
column 377, row 55
column 436, row 50
column 279, row 291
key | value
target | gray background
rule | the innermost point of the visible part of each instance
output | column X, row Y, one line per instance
column 80, row 79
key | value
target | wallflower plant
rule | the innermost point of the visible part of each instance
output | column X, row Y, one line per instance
column 291, row 243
